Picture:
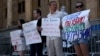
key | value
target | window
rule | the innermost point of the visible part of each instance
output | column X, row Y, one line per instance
column 5, row 12
column 21, row 7
column 39, row 3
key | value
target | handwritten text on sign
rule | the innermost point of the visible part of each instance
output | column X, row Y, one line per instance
column 51, row 27
column 16, row 37
column 30, row 32
column 76, row 25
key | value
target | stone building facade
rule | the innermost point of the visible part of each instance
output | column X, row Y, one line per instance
column 12, row 10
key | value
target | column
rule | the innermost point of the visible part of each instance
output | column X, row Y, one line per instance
column 68, row 6
column 9, row 13
column 28, row 10
column 44, row 7
column 92, row 5
column 98, row 5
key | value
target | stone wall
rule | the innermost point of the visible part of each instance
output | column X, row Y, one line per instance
column 33, row 4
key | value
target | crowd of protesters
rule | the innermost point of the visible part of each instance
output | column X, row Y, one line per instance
column 54, row 44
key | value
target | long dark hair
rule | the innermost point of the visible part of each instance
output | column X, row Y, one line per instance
column 21, row 21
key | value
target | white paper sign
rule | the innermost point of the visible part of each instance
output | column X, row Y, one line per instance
column 30, row 32
column 76, row 25
column 51, row 27
column 16, row 37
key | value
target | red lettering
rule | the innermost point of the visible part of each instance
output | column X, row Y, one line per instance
column 78, row 20
column 81, row 19
column 67, row 23
column 74, row 21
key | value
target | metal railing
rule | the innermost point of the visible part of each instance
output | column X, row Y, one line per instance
column 94, row 42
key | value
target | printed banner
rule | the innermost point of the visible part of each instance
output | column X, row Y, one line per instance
column 16, row 37
column 76, row 25
column 51, row 27
column 30, row 32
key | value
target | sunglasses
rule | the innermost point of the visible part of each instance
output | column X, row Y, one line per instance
column 79, row 6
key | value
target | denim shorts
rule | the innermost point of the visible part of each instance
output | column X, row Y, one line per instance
column 79, row 41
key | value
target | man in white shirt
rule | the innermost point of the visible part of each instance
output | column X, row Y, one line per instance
column 54, row 44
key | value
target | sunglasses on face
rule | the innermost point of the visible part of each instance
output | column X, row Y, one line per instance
column 79, row 6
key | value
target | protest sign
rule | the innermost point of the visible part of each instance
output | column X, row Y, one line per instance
column 30, row 32
column 76, row 25
column 51, row 27
column 16, row 37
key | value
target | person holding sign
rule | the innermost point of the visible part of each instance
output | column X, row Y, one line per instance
column 21, row 47
column 37, row 48
column 54, row 44
column 80, row 45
